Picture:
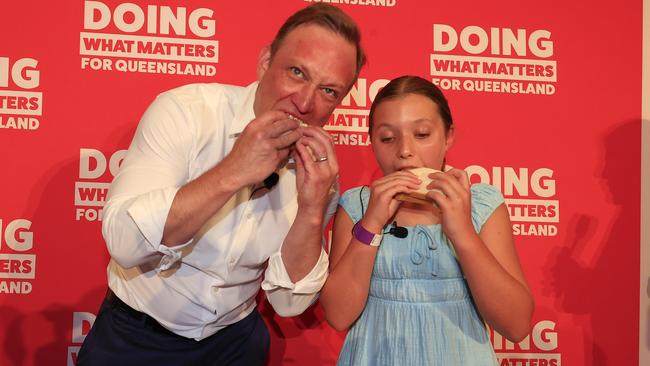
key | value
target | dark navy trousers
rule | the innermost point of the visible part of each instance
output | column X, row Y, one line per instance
column 123, row 336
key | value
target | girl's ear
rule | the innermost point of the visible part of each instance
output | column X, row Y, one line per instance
column 450, row 138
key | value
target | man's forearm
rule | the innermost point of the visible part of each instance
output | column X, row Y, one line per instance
column 196, row 202
column 302, row 245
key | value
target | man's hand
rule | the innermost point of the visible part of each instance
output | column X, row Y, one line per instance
column 316, row 168
column 262, row 145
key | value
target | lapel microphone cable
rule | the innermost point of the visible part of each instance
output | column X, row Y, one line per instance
column 268, row 183
column 397, row 231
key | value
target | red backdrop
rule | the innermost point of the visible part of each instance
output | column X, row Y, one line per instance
column 546, row 97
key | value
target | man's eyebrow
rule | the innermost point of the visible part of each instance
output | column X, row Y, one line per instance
column 334, row 85
column 304, row 69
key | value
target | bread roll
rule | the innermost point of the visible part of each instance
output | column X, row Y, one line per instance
column 419, row 196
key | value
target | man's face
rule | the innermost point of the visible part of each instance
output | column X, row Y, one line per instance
column 308, row 76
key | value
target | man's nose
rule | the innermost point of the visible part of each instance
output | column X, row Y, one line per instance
column 304, row 98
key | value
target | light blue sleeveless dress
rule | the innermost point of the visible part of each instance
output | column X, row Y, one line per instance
column 419, row 309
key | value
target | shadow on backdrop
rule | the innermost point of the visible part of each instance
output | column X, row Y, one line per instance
column 601, row 289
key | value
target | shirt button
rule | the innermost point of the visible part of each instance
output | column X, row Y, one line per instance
column 215, row 290
column 232, row 261
column 249, row 216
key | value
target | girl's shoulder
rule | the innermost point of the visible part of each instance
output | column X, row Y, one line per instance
column 485, row 199
column 354, row 201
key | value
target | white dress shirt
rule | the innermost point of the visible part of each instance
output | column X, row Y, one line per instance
column 198, row 288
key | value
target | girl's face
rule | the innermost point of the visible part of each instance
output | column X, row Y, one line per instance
column 408, row 132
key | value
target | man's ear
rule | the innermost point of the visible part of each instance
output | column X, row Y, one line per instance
column 450, row 137
column 263, row 61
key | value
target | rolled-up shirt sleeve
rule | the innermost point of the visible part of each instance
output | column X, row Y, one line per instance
column 141, row 195
column 289, row 298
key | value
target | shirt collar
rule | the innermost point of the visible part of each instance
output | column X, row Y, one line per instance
column 245, row 113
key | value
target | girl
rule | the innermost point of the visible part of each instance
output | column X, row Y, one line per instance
column 422, row 299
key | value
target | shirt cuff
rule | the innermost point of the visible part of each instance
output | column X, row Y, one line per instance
column 276, row 276
column 149, row 212
column 170, row 256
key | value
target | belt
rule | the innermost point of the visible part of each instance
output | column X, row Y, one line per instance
column 116, row 303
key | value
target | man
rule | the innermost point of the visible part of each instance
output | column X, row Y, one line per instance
column 224, row 190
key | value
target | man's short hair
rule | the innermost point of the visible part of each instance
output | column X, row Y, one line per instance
column 329, row 17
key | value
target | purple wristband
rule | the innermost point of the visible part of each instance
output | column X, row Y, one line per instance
column 364, row 236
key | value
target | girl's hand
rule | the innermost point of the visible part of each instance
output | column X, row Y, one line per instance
column 453, row 197
column 382, row 205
